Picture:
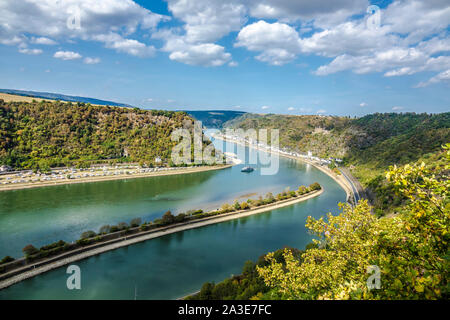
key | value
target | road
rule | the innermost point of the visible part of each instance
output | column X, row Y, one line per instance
column 356, row 194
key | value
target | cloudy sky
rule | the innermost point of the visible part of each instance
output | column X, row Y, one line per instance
column 341, row 57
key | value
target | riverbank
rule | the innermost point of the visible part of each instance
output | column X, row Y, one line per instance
column 28, row 271
column 39, row 184
column 340, row 179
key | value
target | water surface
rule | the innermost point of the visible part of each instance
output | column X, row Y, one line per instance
column 170, row 266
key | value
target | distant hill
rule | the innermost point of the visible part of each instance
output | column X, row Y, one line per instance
column 215, row 118
column 63, row 97
column 369, row 144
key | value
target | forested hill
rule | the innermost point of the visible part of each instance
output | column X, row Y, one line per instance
column 376, row 140
column 368, row 145
column 47, row 134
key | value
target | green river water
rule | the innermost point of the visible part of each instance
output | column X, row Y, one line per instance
column 170, row 266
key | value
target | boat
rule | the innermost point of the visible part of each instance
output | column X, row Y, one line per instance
column 247, row 169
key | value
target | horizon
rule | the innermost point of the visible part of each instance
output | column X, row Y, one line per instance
column 274, row 57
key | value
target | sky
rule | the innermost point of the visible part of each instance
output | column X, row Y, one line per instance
column 341, row 57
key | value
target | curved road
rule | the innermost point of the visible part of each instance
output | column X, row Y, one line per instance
column 356, row 195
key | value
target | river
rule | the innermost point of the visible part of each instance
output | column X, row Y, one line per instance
column 171, row 266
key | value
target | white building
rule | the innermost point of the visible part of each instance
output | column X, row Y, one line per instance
column 5, row 168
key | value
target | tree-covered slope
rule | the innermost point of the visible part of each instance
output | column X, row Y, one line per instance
column 368, row 145
column 381, row 139
column 48, row 134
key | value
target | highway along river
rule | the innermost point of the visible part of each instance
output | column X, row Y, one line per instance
column 170, row 266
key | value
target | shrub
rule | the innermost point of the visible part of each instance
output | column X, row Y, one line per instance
column 193, row 212
column 88, row 234
column 302, row 190
column 315, row 186
column 105, row 229
column 226, row 208
column 29, row 250
column 236, row 205
column 245, row 206
column 135, row 222
column 180, row 217
column 114, row 229
column 58, row 244
column 6, row 259
column 122, row 225
column 168, row 218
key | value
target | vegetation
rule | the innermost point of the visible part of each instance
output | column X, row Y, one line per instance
column 6, row 259
column 248, row 285
column 368, row 144
column 86, row 134
column 410, row 249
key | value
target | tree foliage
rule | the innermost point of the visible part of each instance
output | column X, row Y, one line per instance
column 41, row 135
column 411, row 249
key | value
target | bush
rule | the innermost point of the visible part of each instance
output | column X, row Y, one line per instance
column 193, row 212
column 136, row 222
column 122, row 225
column 226, row 208
column 88, row 234
column 315, row 186
column 6, row 259
column 245, row 206
column 180, row 217
column 29, row 250
column 236, row 205
column 302, row 190
column 58, row 244
column 114, row 229
column 168, row 218
column 105, row 229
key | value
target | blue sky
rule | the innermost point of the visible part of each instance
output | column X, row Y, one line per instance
column 258, row 56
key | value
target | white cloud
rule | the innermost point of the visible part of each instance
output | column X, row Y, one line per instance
column 206, row 54
column 30, row 51
column 208, row 20
column 277, row 42
column 397, row 108
column 89, row 60
column 233, row 64
column 291, row 109
column 405, row 43
column 130, row 46
column 443, row 76
column 363, row 104
column 43, row 40
column 46, row 20
column 265, row 107
column 205, row 22
column 322, row 12
column 67, row 55
column 201, row 54
column 321, row 111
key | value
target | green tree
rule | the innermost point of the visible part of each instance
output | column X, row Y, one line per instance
column 410, row 249
column 168, row 218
